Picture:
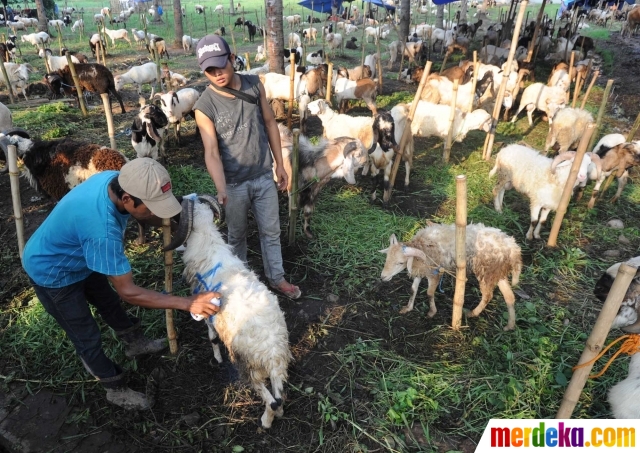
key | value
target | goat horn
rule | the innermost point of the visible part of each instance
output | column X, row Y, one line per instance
column 568, row 155
column 597, row 161
column 185, row 226
column 213, row 203
column 4, row 142
column 412, row 251
column 17, row 131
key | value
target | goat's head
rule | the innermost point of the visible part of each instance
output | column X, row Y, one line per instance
column 155, row 119
column 186, row 218
column 18, row 137
column 564, row 159
column 318, row 107
column 399, row 258
column 355, row 157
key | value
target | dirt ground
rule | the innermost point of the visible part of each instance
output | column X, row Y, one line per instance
column 195, row 380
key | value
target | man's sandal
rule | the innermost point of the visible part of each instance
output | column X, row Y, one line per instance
column 287, row 289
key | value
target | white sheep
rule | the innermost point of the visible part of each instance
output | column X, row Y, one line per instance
column 568, row 127
column 98, row 18
column 310, row 34
column 56, row 63
column 138, row 76
column 260, row 54
column 138, row 37
column 36, row 39
column 117, row 34
column 540, row 178
column 410, row 50
column 250, row 322
column 189, row 43
column 334, row 40
column 178, row 104
column 18, row 75
column 624, row 396
column 541, row 97
column 56, row 23
column 294, row 40
column 218, row 9
column 491, row 256
column 375, row 32
column 79, row 24
column 561, row 79
column 433, row 120
column 16, row 26
column 199, row 8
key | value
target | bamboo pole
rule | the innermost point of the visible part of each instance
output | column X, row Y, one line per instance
column 14, row 176
column 168, row 285
column 378, row 64
column 444, row 62
column 474, row 79
column 76, row 82
column 363, row 43
column 596, row 340
column 293, row 194
column 634, row 129
column 568, row 188
column 491, row 135
column 206, row 29
column 103, row 52
column 158, row 70
column 292, row 75
column 6, row 77
column 233, row 41
column 576, row 90
column 59, row 38
column 109, row 115
column 588, row 92
column 246, row 56
column 603, row 105
column 536, row 32
column 329, row 77
column 244, row 38
column 406, row 133
column 461, row 255
column 452, row 115
column 571, row 69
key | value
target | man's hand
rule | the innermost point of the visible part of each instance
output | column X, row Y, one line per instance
column 201, row 304
column 283, row 178
column 222, row 198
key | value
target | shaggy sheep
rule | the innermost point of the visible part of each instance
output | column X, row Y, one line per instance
column 250, row 322
column 538, row 177
column 334, row 40
column 491, row 256
column 54, row 167
column 541, row 97
column 318, row 164
column 147, row 132
column 568, row 127
column 623, row 397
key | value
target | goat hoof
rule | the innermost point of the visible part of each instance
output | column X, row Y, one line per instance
column 509, row 327
column 308, row 233
column 279, row 402
column 405, row 310
column 275, row 405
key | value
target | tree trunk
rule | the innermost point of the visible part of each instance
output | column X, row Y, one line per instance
column 177, row 21
column 405, row 18
column 43, row 25
column 275, row 35
column 155, row 17
column 232, row 8
column 440, row 16
column 463, row 12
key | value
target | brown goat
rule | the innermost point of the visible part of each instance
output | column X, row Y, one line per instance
column 93, row 77
column 618, row 160
column 316, row 80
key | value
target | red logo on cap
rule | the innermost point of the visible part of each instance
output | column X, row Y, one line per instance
column 166, row 187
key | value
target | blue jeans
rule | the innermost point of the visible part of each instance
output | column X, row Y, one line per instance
column 69, row 306
column 261, row 196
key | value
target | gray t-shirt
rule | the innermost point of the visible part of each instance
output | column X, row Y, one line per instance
column 242, row 137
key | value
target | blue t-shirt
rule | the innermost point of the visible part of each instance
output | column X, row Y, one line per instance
column 83, row 234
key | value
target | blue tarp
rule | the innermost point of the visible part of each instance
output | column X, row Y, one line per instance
column 324, row 6
column 442, row 2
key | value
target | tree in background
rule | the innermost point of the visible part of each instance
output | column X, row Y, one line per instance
column 43, row 25
column 177, row 21
column 232, row 7
column 463, row 12
column 275, row 35
column 405, row 18
column 440, row 17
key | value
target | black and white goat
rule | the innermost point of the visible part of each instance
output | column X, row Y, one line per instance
column 318, row 164
column 250, row 322
column 148, row 131
column 628, row 317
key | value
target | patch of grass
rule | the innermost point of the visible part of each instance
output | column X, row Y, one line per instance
column 607, row 59
column 49, row 121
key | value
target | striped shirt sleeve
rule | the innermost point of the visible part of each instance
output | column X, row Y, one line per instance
column 106, row 256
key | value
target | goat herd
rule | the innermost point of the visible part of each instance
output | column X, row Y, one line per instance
column 351, row 143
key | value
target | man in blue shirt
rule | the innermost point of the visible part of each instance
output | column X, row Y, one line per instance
column 79, row 249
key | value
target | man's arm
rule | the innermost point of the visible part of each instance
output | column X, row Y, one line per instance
column 199, row 304
column 212, row 154
column 274, row 138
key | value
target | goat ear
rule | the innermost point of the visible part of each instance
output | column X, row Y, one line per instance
column 393, row 240
column 384, row 250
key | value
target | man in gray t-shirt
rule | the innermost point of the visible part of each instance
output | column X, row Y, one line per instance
column 241, row 144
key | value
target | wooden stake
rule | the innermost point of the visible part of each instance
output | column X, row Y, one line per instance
column 292, row 75
column 14, row 176
column 108, row 114
column 452, row 115
column 634, row 129
column 59, row 37
column 246, row 56
column 576, row 90
column 168, row 285
column 491, row 135
column 568, row 188
column 6, row 77
column 571, row 69
column 603, row 105
column 76, row 82
column 233, row 41
column 329, row 85
column 596, row 340
column 293, row 195
column 461, row 253
column 406, row 133
column 378, row 64
column 474, row 80
column 586, row 95
column 444, row 62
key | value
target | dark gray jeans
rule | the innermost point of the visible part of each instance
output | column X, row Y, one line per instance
column 261, row 195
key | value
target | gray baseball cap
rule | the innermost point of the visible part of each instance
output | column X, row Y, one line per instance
column 212, row 51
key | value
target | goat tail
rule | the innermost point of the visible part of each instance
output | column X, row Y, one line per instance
column 516, row 267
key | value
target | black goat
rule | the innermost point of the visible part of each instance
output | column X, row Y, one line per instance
column 93, row 77
column 147, row 132
column 351, row 44
column 316, row 20
column 238, row 23
column 252, row 29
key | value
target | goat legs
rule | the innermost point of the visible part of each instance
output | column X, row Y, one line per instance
column 414, row 288
column 271, row 405
column 277, row 384
column 510, row 300
column 622, row 181
column 215, row 343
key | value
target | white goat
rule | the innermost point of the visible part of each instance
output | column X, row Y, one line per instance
column 541, row 97
column 540, row 178
column 138, row 76
column 36, row 39
column 365, row 89
column 79, row 24
column 623, row 397
column 178, row 104
column 250, row 322
column 491, row 256
column 18, row 75
column 117, row 34
column 189, row 43
column 568, row 127
column 56, row 63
